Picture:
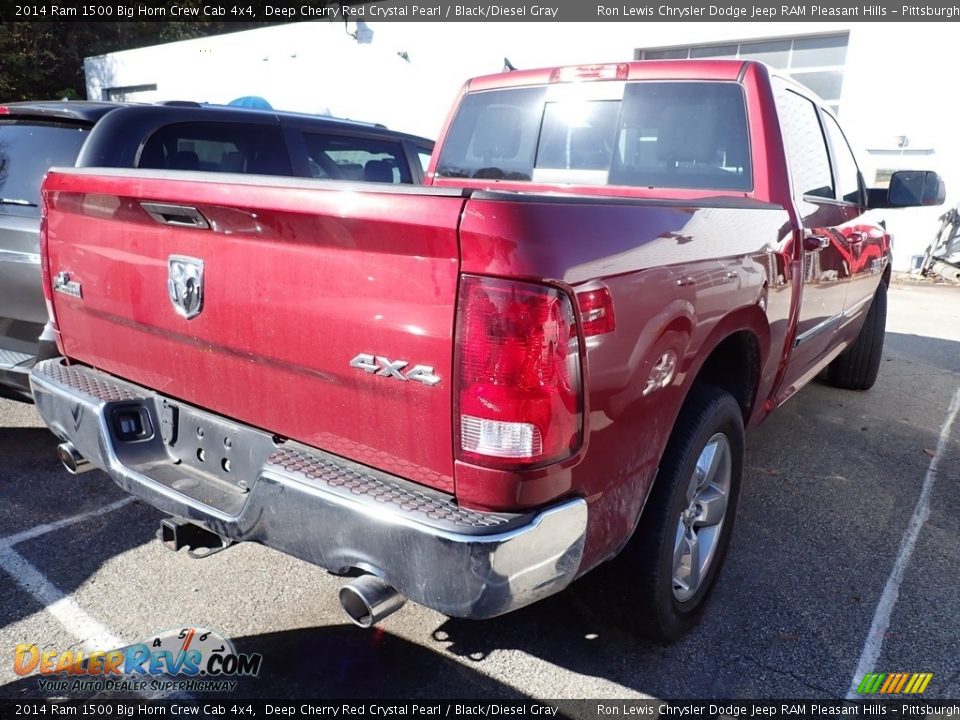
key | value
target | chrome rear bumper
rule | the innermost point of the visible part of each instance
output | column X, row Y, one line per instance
column 318, row 507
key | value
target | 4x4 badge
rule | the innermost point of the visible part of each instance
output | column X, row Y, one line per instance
column 384, row 367
column 185, row 284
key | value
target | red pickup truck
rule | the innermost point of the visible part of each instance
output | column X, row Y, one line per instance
column 471, row 393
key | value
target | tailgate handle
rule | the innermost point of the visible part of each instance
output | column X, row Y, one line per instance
column 178, row 215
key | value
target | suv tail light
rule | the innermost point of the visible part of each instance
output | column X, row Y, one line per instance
column 519, row 396
column 45, row 277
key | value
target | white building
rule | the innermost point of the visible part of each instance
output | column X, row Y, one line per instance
column 888, row 81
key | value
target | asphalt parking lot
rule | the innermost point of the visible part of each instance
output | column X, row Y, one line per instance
column 846, row 559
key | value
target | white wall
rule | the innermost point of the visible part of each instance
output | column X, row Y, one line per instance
column 896, row 81
column 308, row 67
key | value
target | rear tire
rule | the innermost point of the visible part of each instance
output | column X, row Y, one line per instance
column 856, row 367
column 692, row 505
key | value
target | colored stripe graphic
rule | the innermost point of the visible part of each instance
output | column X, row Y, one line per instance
column 870, row 683
column 894, row 683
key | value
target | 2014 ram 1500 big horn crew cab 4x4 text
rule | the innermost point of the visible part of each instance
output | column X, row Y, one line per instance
column 475, row 392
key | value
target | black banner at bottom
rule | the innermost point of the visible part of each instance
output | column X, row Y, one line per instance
column 585, row 709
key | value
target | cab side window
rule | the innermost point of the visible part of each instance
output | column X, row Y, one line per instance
column 356, row 158
column 848, row 174
column 805, row 144
column 217, row 147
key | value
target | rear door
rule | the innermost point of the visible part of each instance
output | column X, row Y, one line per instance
column 868, row 243
column 296, row 306
column 826, row 236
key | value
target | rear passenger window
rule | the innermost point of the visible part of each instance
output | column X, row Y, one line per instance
column 356, row 158
column 28, row 148
column 424, row 156
column 217, row 147
column 848, row 175
column 805, row 145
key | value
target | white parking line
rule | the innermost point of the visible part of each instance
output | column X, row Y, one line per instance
column 92, row 634
column 881, row 617
column 45, row 528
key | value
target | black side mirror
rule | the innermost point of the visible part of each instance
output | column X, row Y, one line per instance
column 910, row 188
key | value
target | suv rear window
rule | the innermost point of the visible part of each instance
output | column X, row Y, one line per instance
column 659, row 134
column 217, row 147
column 28, row 148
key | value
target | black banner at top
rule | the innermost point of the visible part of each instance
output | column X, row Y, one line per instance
column 652, row 709
column 283, row 11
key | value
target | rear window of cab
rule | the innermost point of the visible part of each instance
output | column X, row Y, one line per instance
column 690, row 135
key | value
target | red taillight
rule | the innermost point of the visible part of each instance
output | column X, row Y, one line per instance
column 519, row 397
column 596, row 311
column 4, row 110
column 572, row 73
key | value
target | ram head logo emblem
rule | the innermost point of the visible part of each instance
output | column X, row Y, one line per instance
column 185, row 284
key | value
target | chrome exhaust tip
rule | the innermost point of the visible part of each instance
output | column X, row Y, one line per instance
column 73, row 461
column 368, row 600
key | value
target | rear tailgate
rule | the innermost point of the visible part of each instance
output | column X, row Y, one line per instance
column 298, row 279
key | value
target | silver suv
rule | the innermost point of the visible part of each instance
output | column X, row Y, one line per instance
column 34, row 137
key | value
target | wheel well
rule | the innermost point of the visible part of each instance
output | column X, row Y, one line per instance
column 734, row 366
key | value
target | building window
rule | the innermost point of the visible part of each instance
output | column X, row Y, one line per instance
column 816, row 62
column 125, row 93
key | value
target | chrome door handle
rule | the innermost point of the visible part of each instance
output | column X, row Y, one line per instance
column 178, row 215
column 813, row 243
